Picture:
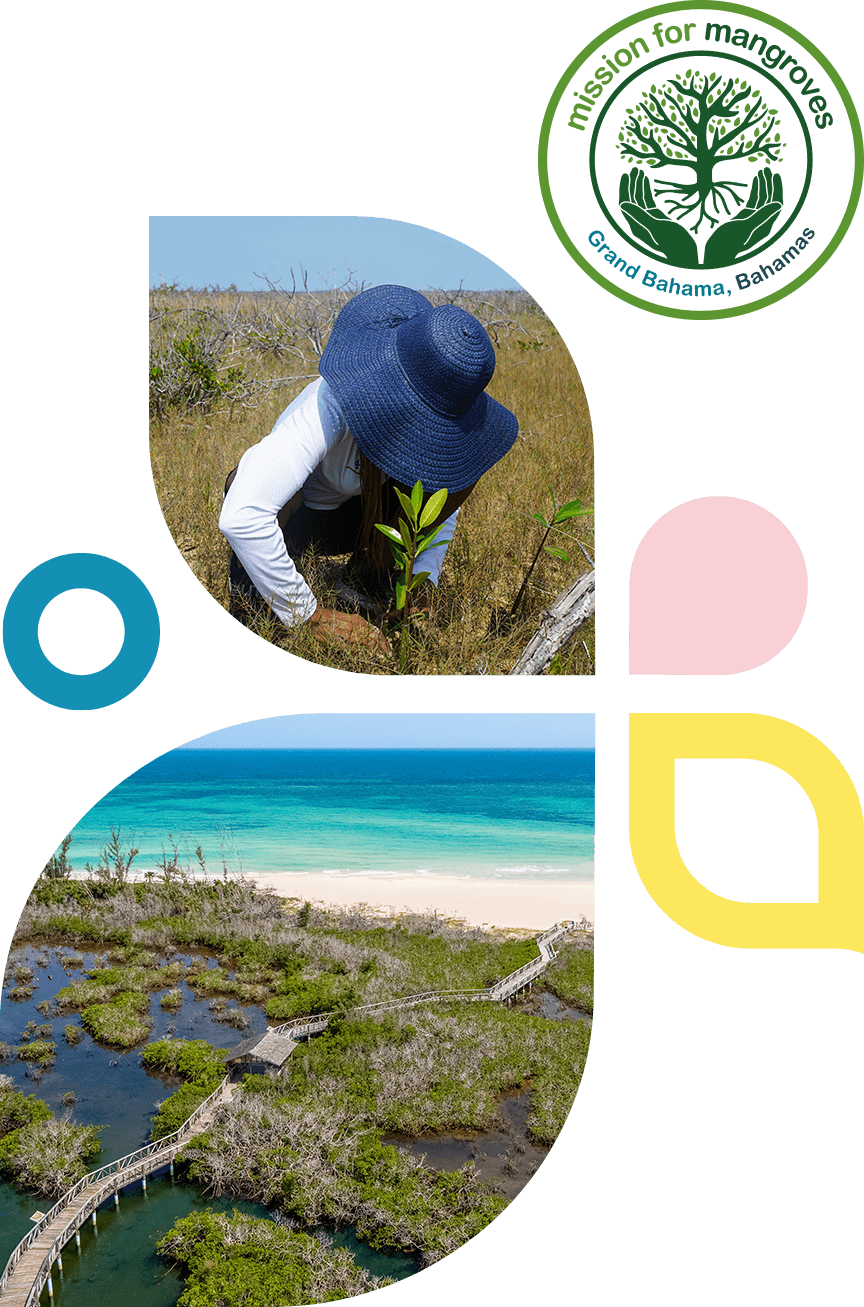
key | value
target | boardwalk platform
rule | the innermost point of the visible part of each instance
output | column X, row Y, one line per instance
column 29, row 1268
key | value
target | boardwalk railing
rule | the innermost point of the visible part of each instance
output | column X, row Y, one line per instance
column 299, row 1029
column 303, row 1027
column 112, row 1177
column 109, row 1178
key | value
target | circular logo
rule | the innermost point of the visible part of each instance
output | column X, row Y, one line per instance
column 81, row 572
column 700, row 161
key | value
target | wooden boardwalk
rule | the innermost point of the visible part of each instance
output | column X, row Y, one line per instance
column 502, row 991
column 30, row 1266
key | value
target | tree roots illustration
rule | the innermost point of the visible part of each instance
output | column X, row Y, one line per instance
column 669, row 238
column 689, row 200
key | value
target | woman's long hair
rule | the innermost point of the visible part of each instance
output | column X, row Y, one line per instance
column 379, row 504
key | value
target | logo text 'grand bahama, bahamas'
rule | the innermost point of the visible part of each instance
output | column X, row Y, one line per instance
column 700, row 161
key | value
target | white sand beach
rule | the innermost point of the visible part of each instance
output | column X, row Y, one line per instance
column 529, row 905
column 526, row 904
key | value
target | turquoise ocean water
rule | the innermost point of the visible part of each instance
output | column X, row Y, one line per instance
column 513, row 814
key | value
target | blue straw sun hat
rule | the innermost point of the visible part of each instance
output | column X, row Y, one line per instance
column 410, row 380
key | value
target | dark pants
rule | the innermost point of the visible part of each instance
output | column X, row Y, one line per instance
column 307, row 530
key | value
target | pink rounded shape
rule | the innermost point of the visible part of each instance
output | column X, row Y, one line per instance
column 717, row 585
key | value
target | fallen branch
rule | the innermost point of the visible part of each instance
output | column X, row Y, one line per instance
column 558, row 624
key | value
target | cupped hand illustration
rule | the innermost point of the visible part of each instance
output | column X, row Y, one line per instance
column 750, row 225
column 651, row 225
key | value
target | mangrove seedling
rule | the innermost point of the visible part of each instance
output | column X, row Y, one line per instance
column 407, row 544
column 559, row 515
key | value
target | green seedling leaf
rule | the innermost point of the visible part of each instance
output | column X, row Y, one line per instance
column 573, row 509
column 560, row 554
column 407, row 544
column 538, row 517
column 407, row 506
column 433, row 507
column 425, row 542
column 394, row 541
column 388, row 532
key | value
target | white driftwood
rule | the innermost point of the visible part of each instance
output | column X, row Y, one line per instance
column 557, row 625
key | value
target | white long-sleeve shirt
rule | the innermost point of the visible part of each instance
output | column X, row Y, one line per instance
column 309, row 448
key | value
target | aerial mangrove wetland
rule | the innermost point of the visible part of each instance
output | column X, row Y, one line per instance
column 369, row 1103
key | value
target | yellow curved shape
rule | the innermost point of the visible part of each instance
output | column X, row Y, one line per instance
column 836, row 920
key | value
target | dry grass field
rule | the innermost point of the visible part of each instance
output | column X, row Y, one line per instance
column 223, row 366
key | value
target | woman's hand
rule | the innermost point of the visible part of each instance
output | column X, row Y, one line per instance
column 329, row 624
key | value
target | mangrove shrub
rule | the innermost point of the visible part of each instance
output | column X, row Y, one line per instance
column 48, row 1156
column 198, row 1064
column 245, row 1261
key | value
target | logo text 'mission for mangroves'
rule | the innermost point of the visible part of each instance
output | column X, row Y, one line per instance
column 669, row 36
column 700, row 160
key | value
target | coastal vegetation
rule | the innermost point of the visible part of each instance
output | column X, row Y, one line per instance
column 197, row 1064
column 328, row 1142
column 38, row 1152
column 243, row 1261
column 223, row 366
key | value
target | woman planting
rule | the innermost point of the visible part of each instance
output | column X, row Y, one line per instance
column 401, row 398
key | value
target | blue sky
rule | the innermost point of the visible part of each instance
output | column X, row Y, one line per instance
column 408, row 731
column 221, row 251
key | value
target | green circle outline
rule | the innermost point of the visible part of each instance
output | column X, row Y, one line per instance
column 675, row 7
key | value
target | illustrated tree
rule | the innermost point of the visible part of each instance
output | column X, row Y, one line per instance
column 700, row 123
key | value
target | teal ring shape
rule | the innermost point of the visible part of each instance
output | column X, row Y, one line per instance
column 81, row 572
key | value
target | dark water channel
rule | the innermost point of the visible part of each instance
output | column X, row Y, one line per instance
column 505, row 1156
column 112, row 1089
column 118, row 1261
